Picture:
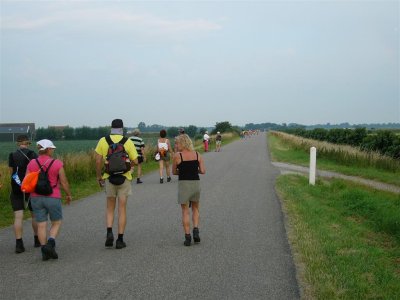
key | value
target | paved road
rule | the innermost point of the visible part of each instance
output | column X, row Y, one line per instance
column 244, row 252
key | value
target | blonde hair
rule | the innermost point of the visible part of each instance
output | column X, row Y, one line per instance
column 185, row 142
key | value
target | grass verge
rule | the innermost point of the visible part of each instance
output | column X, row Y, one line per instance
column 282, row 151
column 345, row 237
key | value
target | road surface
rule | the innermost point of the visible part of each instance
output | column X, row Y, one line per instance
column 243, row 254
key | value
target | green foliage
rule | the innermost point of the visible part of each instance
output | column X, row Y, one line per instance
column 386, row 142
column 223, row 127
column 191, row 130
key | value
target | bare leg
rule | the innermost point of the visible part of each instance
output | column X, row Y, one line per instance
column 139, row 170
column 42, row 234
column 110, row 211
column 185, row 218
column 167, row 168
column 161, row 162
column 122, row 214
column 195, row 214
column 55, row 228
column 34, row 224
column 18, row 217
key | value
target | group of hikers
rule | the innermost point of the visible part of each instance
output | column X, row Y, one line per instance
column 116, row 157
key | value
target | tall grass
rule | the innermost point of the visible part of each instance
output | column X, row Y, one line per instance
column 342, row 154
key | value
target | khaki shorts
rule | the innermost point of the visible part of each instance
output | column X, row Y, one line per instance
column 123, row 190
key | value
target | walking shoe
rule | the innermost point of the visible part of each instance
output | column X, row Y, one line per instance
column 109, row 239
column 36, row 242
column 168, row 179
column 45, row 255
column 19, row 247
column 120, row 244
column 161, row 180
column 188, row 240
column 49, row 251
column 196, row 237
column 138, row 181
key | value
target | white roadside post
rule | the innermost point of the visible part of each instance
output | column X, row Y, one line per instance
column 313, row 165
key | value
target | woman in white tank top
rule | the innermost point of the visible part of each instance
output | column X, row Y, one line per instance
column 164, row 149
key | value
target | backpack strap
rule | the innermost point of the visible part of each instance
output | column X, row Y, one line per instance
column 123, row 140
column 110, row 142
column 41, row 166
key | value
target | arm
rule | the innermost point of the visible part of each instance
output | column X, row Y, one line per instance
column 202, row 169
column 175, row 164
column 169, row 147
column 99, row 166
column 143, row 154
column 65, row 185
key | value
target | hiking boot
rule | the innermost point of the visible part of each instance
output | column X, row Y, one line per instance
column 168, row 179
column 120, row 244
column 36, row 243
column 161, row 180
column 188, row 240
column 19, row 247
column 138, row 181
column 196, row 237
column 109, row 239
column 49, row 251
column 45, row 255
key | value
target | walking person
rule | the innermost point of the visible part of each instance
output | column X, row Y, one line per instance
column 116, row 185
column 17, row 163
column 139, row 145
column 164, row 148
column 218, row 142
column 45, row 206
column 206, row 139
column 188, row 164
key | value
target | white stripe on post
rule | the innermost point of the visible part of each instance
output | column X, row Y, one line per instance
column 313, row 165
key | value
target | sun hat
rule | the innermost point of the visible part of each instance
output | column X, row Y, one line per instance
column 218, row 132
column 45, row 144
column 181, row 130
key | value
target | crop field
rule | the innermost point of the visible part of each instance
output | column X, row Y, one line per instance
column 63, row 147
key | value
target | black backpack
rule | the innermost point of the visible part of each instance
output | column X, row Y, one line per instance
column 43, row 186
column 117, row 160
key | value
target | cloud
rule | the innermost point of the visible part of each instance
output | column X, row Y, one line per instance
column 112, row 18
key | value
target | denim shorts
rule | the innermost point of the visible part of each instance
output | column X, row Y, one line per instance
column 46, row 206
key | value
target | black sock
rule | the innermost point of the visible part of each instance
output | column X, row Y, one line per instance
column 19, row 241
column 109, row 229
column 36, row 237
column 120, row 236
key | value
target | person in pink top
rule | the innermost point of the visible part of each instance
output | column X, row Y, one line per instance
column 49, row 205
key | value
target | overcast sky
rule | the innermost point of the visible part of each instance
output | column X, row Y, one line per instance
column 199, row 62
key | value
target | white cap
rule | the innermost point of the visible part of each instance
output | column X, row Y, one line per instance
column 218, row 132
column 45, row 144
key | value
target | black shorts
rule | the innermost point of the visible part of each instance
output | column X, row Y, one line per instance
column 17, row 201
column 140, row 159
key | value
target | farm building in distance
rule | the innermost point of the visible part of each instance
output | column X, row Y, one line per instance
column 10, row 131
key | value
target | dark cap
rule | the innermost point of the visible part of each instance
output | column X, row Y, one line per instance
column 117, row 123
column 181, row 130
column 22, row 138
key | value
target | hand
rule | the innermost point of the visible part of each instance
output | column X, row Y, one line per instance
column 68, row 198
column 102, row 182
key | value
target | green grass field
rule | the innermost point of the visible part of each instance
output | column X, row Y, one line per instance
column 345, row 238
column 283, row 152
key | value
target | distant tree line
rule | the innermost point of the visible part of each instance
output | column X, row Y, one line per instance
column 386, row 142
column 274, row 126
column 70, row 133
